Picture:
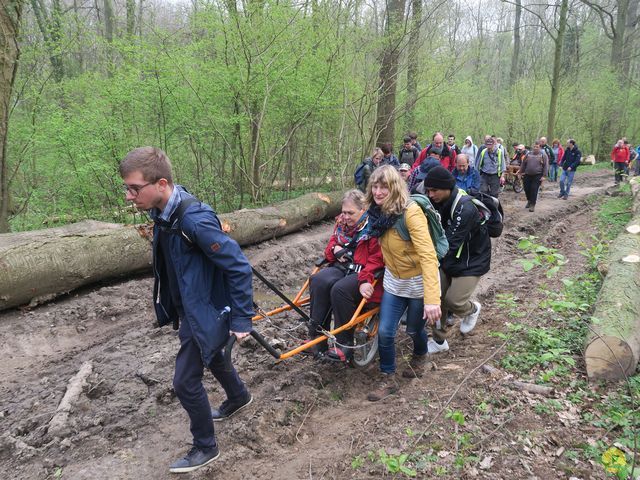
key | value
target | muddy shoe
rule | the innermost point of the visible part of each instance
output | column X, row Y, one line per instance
column 228, row 409
column 416, row 366
column 532, row 208
column 195, row 458
column 388, row 386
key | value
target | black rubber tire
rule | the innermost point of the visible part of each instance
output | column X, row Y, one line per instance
column 517, row 185
column 368, row 348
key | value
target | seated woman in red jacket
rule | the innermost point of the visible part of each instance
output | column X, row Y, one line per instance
column 354, row 257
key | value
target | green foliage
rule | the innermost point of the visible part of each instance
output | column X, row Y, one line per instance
column 540, row 256
column 270, row 93
column 613, row 215
column 456, row 416
column 396, row 463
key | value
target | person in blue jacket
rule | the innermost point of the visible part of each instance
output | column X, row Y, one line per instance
column 202, row 286
column 570, row 163
column 467, row 177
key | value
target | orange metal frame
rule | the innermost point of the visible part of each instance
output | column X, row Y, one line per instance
column 357, row 319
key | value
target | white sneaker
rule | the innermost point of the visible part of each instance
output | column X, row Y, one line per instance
column 435, row 347
column 468, row 323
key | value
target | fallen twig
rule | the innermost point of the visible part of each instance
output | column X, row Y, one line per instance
column 58, row 426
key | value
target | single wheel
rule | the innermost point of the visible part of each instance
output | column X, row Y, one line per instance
column 365, row 341
column 517, row 185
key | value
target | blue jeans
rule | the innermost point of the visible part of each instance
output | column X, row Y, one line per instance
column 553, row 172
column 391, row 309
column 566, row 179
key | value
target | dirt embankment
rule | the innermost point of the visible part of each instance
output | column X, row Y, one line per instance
column 308, row 420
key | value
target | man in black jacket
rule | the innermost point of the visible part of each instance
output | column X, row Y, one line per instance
column 468, row 258
column 570, row 163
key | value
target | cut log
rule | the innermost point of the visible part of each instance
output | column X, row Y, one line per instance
column 613, row 347
column 39, row 265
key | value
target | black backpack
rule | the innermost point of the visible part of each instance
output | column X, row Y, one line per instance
column 489, row 208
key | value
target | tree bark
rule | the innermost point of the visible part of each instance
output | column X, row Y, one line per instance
column 385, row 118
column 557, row 59
column 131, row 17
column 413, row 66
column 613, row 348
column 10, row 15
column 40, row 265
column 515, row 56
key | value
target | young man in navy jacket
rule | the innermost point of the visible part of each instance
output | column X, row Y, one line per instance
column 202, row 284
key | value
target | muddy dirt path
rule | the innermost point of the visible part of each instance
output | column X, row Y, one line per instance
column 308, row 420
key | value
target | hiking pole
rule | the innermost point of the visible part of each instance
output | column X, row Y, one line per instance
column 275, row 290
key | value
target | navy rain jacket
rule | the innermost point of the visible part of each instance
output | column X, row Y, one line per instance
column 214, row 279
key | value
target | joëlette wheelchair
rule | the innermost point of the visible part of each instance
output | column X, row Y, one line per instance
column 364, row 321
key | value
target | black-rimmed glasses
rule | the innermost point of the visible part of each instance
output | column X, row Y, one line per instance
column 134, row 190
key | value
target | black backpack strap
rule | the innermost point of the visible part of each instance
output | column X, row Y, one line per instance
column 178, row 214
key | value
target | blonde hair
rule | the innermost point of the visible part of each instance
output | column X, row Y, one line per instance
column 377, row 151
column 398, row 197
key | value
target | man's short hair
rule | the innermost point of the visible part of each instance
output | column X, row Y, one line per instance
column 406, row 139
column 152, row 162
column 571, row 141
column 386, row 148
column 413, row 135
column 451, row 135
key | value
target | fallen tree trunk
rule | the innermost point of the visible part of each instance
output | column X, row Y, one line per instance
column 613, row 346
column 39, row 265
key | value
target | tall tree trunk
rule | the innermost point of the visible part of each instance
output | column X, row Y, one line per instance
column 109, row 20
column 412, row 66
column 557, row 58
column 131, row 17
column 389, row 72
column 10, row 15
column 514, row 73
column 617, row 46
column 50, row 25
column 631, row 30
column 515, row 56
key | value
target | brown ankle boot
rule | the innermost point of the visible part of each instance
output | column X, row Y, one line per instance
column 387, row 385
column 416, row 366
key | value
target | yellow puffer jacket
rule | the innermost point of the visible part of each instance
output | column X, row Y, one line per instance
column 407, row 259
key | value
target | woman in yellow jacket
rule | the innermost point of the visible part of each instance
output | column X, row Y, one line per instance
column 411, row 278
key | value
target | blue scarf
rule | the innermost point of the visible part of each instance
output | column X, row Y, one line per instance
column 379, row 223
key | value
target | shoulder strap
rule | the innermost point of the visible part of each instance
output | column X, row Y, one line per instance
column 179, row 214
column 461, row 193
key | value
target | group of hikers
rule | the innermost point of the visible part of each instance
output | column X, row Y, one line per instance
column 203, row 281
column 484, row 168
column 383, row 249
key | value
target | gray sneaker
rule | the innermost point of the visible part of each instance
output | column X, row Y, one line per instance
column 196, row 458
column 468, row 323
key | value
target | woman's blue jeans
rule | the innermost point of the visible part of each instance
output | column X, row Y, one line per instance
column 391, row 309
